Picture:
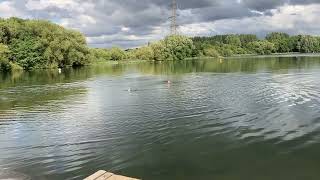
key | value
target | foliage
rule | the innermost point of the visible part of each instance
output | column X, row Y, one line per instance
column 4, row 62
column 307, row 44
column 27, row 53
column 100, row 54
column 174, row 47
column 144, row 53
column 247, row 38
column 226, row 45
column 5, row 65
column 178, row 47
column 233, row 40
column 210, row 51
column 159, row 51
column 281, row 41
column 261, row 47
column 117, row 54
column 4, row 51
column 275, row 42
column 41, row 44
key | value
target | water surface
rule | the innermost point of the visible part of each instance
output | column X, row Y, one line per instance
column 241, row 119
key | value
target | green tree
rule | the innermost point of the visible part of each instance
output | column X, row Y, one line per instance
column 100, row 54
column 210, row 51
column 281, row 41
column 247, row 38
column 4, row 51
column 233, row 40
column 4, row 62
column 261, row 47
column 41, row 44
column 27, row 53
column 306, row 44
column 117, row 54
column 178, row 47
column 160, row 51
column 144, row 53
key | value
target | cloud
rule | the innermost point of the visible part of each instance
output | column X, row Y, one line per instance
column 294, row 19
column 130, row 23
column 7, row 9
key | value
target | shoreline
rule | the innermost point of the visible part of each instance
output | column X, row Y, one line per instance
column 97, row 63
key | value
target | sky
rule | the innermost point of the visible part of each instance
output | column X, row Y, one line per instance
column 132, row 23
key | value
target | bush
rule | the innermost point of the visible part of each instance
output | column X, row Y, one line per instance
column 117, row 54
column 210, row 52
column 173, row 48
column 26, row 53
column 178, row 47
column 144, row 53
column 5, row 65
column 4, row 62
column 41, row 44
column 160, row 51
column 100, row 54
column 262, row 47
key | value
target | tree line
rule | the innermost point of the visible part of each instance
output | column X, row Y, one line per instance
column 33, row 44
column 237, row 44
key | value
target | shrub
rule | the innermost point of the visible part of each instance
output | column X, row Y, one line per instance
column 117, row 54
column 144, row 53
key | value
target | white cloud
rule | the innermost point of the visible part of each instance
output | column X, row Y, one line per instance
column 125, row 29
column 43, row 4
column 293, row 19
column 7, row 9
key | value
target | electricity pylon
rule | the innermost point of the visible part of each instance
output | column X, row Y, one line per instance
column 174, row 26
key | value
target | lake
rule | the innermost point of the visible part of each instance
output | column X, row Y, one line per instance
column 241, row 118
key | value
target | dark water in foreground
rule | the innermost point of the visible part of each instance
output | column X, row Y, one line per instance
column 237, row 119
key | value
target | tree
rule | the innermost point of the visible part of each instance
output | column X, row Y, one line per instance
column 144, row 53
column 247, row 38
column 41, row 44
column 117, row 54
column 100, row 54
column 178, row 47
column 159, row 51
column 261, row 47
column 4, row 51
column 306, row 44
column 174, row 47
column 4, row 62
column 27, row 53
column 233, row 40
column 210, row 51
column 281, row 41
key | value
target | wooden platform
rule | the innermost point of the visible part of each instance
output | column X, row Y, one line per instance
column 104, row 175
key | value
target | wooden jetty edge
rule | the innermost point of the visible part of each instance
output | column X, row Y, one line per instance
column 104, row 175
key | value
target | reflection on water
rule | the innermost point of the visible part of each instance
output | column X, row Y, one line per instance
column 230, row 119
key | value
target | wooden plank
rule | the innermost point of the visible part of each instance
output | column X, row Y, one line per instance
column 104, row 175
column 117, row 177
column 96, row 175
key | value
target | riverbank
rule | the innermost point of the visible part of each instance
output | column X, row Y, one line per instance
column 119, row 62
column 274, row 55
column 136, row 61
column 277, row 55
